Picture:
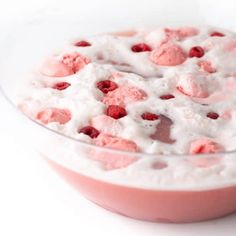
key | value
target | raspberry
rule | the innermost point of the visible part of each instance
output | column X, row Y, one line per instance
column 141, row 47
column 167, row 96
column 90, row 131
column 196, row 51
column 149, row 116
column 106, row 86
column 82, row 44
column 116, row 112
column 61, row 85
column 217, row 34
column 212, row 115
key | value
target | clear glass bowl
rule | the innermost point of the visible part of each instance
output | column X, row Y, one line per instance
column 121, row 191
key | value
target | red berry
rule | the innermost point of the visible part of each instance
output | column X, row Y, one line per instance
column 196, row 52
column 141, row 47
column 167, row 96
column 106, row 86
column 212, row 115
column 82, row 44
column 217, row 34
column 116, row 112
column 149, row 116
column 90, row 131
column 61, row 85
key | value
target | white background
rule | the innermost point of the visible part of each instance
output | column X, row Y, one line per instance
column 35, row 201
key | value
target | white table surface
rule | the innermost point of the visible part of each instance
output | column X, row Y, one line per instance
column 34, row 201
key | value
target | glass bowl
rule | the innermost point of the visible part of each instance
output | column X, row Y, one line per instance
column 161, row 191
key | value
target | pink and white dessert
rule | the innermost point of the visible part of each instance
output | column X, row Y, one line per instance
column 163, row 92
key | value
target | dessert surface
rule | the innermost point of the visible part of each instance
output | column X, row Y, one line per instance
column 165, row 91
column 159, row 91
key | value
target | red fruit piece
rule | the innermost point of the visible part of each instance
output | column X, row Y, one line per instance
column 196, row 51
column 52, row 114
column 217, row 34
column 116, row 112
column 61, row 85
column 106, row 86
column 212, row 115
column 90, row 131
column 149, row 116
column 162, row 132
column 141, row 47
column 82, row 44
column 167, row 96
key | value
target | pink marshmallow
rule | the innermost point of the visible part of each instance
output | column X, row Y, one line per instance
column 68, row 65
column 111, row 160
column 206, row 66
column 230, row 45
column 55, row 68
column 191, row 86
column 180, row 33
column 75, row 61
column 124, row 95
column 205, row 145
column 52, row 114
column 106, row 124
column 128, row 33
column 168, row 54
column 204, row 162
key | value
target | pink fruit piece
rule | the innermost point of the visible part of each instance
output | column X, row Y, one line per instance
column 110, row 160
column 106, row 124
column 191, row 86
column 168, row 54
column 53, row 114
column 205, row 145
column 206, row 66
column 162, row 132
column 124, row 95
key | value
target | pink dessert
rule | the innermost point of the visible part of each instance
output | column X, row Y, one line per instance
column 147, row 119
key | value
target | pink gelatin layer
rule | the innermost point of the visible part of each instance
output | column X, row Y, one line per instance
column 153, row 205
